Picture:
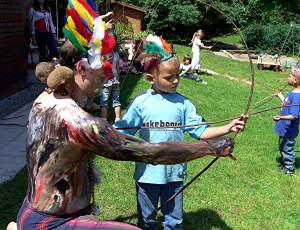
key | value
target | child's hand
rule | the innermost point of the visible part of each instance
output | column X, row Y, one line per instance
column 276, row 118
column 239, row 124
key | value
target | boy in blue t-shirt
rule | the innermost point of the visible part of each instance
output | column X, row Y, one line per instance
column 161, row 106
column 287, row 123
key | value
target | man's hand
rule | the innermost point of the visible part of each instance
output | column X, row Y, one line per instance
column 223, row 147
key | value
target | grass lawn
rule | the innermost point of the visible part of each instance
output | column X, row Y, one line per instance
column 245, row 194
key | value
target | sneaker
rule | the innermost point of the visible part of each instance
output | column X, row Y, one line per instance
column 286, row 170
column 197, row 79
column 203, row 82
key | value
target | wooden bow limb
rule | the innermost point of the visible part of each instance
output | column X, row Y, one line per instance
column 272, row 96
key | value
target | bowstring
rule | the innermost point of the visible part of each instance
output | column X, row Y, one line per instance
column 272, row 96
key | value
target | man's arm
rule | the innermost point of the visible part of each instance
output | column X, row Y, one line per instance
column 101, row 138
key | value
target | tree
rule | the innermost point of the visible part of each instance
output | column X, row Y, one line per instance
column 61, row 7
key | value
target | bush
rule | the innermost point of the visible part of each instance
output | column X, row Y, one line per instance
column 266, row 38
column 124, row 32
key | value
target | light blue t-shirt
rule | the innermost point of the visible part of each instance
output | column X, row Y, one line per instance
column 151, row 109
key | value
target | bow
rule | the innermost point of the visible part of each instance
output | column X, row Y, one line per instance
column 246, row 111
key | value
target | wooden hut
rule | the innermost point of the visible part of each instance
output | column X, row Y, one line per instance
column 125, row 13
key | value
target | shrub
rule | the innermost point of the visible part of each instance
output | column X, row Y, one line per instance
column 266, row 38
column 124, row 32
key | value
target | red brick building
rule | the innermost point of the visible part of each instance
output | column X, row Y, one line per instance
column 13, row 70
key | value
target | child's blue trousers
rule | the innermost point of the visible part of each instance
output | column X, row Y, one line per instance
column 172, row 212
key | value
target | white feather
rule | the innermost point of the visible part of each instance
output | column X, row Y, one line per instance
column 155, row 39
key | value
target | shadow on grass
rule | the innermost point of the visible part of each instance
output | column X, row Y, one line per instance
column 297, row 160
column 202, row 219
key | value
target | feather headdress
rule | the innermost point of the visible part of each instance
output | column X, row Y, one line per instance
column 157, row 50
column 88, row 33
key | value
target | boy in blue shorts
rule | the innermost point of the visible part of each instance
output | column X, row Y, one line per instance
column 157, row 107
column 287, row 123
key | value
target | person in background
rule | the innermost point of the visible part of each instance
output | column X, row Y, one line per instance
column 111, row 87
column 186, row 70
column 139, row 49
column 287, row 123
column 42, row 30
column 123, row 64
column 196, row 49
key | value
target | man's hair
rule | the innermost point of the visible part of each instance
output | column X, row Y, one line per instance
column 69, row 55
column 187, row 57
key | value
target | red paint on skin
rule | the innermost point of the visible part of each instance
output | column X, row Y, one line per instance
column 75, row 135
column 38, row 191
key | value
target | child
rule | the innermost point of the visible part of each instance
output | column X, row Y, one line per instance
column 287, row 123
column 139, row 49
column 123, row 63
column 196, row 49
column 186, row 70
column 162, row 106
column 111, row 88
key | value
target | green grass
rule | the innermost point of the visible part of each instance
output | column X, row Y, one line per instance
column 245, row 194
column 224, row 35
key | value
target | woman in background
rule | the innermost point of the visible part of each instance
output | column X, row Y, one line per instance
column 42, row 30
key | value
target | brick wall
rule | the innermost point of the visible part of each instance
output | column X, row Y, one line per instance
column 13, row 71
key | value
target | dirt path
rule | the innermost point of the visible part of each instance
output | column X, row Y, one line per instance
column 238, row 55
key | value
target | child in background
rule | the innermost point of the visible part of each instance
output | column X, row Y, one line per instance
column 139, row 49
column 111, row 87
column 162, row 106
column 123, row 63
column 196, row 49
column 186, row 70
column 287, row 123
